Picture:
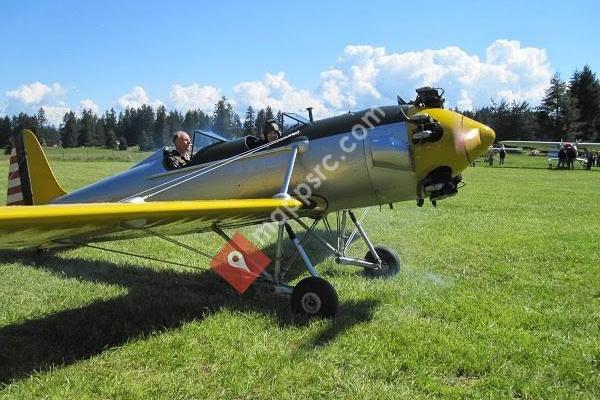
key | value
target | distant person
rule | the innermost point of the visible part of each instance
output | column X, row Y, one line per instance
column 562, row 158
column 489, row 156
column 502, row 153
column 271, row 131
column 571, row 156
column 590, row 160
column 179, row 156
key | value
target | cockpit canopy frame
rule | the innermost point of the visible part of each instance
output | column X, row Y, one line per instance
column 204, row 139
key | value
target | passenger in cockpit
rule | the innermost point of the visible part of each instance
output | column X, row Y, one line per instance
column 271, row 131
column 179, row 156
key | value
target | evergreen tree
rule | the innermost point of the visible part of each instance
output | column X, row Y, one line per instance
column 88, row 129
column 24, row 121
column 236, row 126
column 109, row 122
column 145, row 124
column 260, row 120
column 160, row 130
column 248, row 128
column 269, row 113
column 41, row 119
column 174, row 123
column 111, row 140
column 523, row 121
column 556, row 113
column 100, row 133
column 5, row 132
column 222, row 119
column 40, row 131
column 585, row 90
column 70, row 130
column 511, row 120
column 125, row 124
column 190, row 120
column 204, row 122
column 145, row 141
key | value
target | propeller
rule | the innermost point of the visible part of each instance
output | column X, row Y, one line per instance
column 466, row 138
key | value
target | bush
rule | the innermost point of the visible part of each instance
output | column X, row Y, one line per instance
column 122, row 143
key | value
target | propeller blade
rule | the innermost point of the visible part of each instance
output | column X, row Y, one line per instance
column 466, row 138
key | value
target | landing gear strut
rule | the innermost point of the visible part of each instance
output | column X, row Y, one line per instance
column 314, row 296
column 379, row 261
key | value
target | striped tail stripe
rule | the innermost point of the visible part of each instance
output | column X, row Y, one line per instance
column 14, row 167
column 14, row 194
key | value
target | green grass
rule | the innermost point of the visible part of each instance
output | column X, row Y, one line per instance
column 498, row 297
column 92, row 154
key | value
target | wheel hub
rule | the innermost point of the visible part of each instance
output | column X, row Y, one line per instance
column 311, row 303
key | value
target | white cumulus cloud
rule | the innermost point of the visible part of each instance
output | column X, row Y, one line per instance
column 464, row 102
column 365, row 75
column 136, row 98
column 89, row 104
column 275, row 91
column 35, row 93
column 55, row 114
column 194, row 96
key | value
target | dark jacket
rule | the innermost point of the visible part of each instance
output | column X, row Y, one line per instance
column 174, row 159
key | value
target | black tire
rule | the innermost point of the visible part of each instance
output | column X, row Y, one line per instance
column 390, row 263
column 314, row 297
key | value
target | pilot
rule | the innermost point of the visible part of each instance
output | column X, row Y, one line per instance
column 181, row 154
column 271, row 131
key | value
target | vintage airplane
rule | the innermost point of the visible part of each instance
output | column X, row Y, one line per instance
column 408, row 151
column 552, row 148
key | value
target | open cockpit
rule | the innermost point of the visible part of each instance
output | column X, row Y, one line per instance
column 208, row 146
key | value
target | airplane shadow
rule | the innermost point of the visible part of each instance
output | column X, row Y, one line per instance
column 156, row 301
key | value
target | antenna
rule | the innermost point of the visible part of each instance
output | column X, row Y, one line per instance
column 310, row 114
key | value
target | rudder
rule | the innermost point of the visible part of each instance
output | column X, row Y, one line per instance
column 30, row 179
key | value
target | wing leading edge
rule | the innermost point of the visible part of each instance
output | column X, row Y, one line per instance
column 56, row 225
column 548, row 145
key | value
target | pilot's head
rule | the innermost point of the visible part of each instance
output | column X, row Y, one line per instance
column 182, row 142
column 271, row 131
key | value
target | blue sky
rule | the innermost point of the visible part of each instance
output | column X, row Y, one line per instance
column 335, row 55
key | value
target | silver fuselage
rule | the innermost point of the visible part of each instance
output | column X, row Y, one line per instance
column 339, row 171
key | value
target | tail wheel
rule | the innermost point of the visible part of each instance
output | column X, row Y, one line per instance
column 390, row 263
column 314, row 297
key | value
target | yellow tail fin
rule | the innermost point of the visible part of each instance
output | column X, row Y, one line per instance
column 31, row 180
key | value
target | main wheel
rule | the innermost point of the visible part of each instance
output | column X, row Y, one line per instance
column 390, row 263
column 314, row 297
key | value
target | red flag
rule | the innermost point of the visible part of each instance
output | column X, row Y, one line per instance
column 239, row 262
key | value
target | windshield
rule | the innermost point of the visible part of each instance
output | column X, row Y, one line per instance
column 292, row 122
column 204, row 139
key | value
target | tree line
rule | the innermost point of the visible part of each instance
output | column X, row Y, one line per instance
column 143, row 126
column 569, row 110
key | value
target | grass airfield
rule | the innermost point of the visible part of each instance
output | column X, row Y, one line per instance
column 498, row 297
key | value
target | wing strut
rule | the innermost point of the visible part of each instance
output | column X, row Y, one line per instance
column 301, row 146
column 126, row 253
column 158, row 235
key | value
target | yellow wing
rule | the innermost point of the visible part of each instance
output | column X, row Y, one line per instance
column 56, row 225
